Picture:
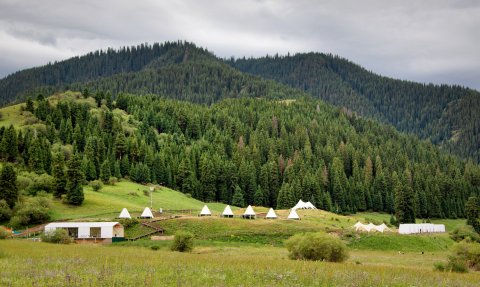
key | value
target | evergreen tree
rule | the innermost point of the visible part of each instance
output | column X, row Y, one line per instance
column 74, row 189
column 58, row 174
column 8, row 185
column 238, row 199
column 472, row 210
column 105, row 171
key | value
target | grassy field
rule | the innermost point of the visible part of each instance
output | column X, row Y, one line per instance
column 107, row 203
column 25, row 263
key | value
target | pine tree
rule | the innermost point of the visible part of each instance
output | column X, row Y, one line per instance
column 258, row 198
column 8, row 185
column 74, row 187
column 238, row 199
column 58, row 174
column 105, row 171
column 472, row 211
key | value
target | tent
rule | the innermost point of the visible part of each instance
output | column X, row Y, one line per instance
column 420, row 228
column 124, row 214
column 372, row 227
column 304, row 205
column 300, row 204
column 205, row 211
column 293, row 215
column 309, row 205
column 147, row 213
column 360, row 227
column 249, row 213
column 227, row 212
column 271, row 214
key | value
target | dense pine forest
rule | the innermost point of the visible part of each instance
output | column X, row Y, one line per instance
column 446, row 115
column 239, row 151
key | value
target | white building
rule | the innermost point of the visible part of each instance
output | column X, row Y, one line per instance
column 104, row 231
column 420, row 228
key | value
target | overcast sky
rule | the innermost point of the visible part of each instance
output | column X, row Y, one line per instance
column 428, row 41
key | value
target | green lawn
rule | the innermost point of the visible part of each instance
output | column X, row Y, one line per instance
column 109, row 201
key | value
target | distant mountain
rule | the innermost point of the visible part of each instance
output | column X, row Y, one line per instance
column 447, row 115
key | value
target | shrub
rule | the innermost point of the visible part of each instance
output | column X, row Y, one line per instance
column 155, row 247
column 182, row 242
column 128, row 222
column 5, row 211
column 463, row 232
column 4, row 233
column 96, row 185
column 56, row 236
column 33, row 211
column 467, row 253
column 112, row 180
column 316, row 246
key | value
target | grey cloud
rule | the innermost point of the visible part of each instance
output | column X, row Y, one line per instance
column 431, row 41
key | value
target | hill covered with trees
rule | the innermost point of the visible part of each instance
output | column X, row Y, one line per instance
column 446, row 115
column 240, row 151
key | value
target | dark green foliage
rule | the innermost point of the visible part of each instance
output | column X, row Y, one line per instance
column 8, row 185
column 96, row 185
column 59, row 235
column 5, row 211
column 182, row 242
column 444, row 114
column 316, row 247
column 128, row 222
column 33, row 211
column 472, row 211
column 74, row 187
column 238, row 199
column 465, row 256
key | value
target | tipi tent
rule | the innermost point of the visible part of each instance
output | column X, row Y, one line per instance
column 124, row 214
column 249, row 213
column 205, row 211
column 271, row 214
column 227, row 212
column 147, row 213
column 293, row 215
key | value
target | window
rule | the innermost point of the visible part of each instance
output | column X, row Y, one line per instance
column 73, row 232
column 95, row 232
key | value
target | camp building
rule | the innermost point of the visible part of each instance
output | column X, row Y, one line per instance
column 105, row 232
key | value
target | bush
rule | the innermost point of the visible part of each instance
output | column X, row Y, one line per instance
column 5, row 211
column 57, row 236
column 33, row 211
column 463, row 232
column 128, row 222
column 96, row 185
column 4, row 233
column 182, row 242
column 155, row 247
column 316, row 246
column 112, row 180
column 468, row 253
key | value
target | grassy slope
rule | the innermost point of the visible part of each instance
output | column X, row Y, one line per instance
column 26, row 263
column 107, row 203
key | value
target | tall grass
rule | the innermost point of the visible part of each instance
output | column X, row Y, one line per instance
column 40, row 264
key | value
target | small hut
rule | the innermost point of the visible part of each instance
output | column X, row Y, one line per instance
column 124, row 214
column 147, row 213
column 293, row 215
column 205, row 211
column 271, row 214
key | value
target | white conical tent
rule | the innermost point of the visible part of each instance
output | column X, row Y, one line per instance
column 249, row 213
column 124, row 214
column 271, row 214
column 293, row 214
column 205, row 211
column 147, row 213
column 227, row 212
column 358, row 224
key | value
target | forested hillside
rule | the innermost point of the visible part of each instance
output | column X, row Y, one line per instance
column 446, row 115
column 241, row 151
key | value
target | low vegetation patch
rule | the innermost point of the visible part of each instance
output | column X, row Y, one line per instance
column 403, row 243
column 465, row 232
column 3, row 233
column 56, row 236
column 316, row 246
column 183, row 241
